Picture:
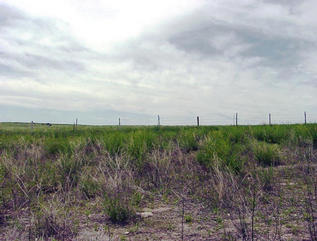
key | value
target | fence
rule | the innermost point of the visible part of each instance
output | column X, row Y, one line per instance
column 219, row 119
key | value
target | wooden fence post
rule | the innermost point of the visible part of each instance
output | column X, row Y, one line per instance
column 305, row 117
column 158, row 120
column 270, row 121
column 197, row 120
column 237, row 119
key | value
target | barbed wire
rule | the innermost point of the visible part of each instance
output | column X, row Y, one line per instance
column 209, row 119
column 253, row 119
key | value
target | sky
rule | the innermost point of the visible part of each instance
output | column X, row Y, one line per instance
column 100, row 60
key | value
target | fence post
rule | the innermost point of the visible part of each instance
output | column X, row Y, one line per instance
column 305, row 117
column 76, row 122
column 270, row 121
column 158, row 120
column 119, row 122
column 197, row 120
column 237, row 119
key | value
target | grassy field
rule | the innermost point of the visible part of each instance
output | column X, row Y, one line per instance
column 158, row 183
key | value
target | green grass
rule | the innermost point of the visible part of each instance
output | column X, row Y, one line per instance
column 227, row 143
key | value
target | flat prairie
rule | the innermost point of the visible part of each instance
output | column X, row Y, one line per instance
column 64, row 182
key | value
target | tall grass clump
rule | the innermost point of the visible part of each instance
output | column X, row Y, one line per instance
column 51, row 220
column 218, row 146
column 4, row 192
column 89, row 186
column 57, row 146
column 272, row 134
column 266, row 176
column 118, row 209
column 188, row 142
column 267, row 154
column 140, row 143
column 114, row 180
column 46, row 177
column 69, row 172
column 114, row 142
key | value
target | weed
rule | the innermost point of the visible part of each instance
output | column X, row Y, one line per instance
column 136, row 199
column 267, row 178
column 118, row 210
column 188, row 218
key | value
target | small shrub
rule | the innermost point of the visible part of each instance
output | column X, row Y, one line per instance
column 118, row 210
column 188, row 218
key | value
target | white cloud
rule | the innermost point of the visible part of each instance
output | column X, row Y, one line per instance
column 176, row 58
column 100, row 24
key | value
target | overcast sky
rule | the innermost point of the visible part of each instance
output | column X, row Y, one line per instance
column 101, row 59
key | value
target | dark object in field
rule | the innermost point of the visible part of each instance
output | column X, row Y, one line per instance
column 48, row 124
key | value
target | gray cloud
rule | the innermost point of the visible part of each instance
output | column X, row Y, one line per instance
column 9, row 15
column 9, row 71
column 34, row 61
column 249, row 56
column 34, row 44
